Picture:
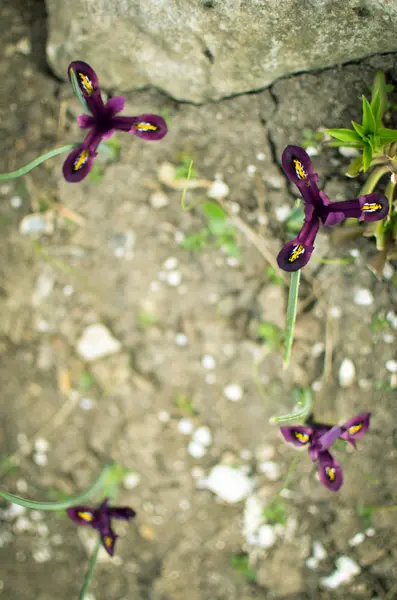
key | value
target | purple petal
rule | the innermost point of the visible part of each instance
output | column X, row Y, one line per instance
column 374, row 207
column 89, row 86
column 121, row 512
column 330, row 472
column 115, row 105
column 297, row 252
column 298, row 436
column 327, row 439
column 83, row 515
column 109, row 541
column 85, row 121
column 149, row 127
column 355, row 428
column 296, row 164
column 77, row 164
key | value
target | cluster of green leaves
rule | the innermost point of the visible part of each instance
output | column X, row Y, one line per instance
column 271, row 335
column 275, row 513
column 185, row 404
column 217, row 227
column 369, row 136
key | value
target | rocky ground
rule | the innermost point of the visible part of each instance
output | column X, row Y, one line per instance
column 171, row 391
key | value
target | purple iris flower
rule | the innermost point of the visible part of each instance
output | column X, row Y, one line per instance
column 99, row 518
column 320, row 437
column 103, row 122
column 317, row 206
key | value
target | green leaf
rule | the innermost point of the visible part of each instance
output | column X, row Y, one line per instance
column 216, row 218
column 369, row 122
column 291, row 315
column 379, row 97
column 344, row 135
column 367, row 157
column 338, row 144
column 355, row 167
column 389, row 135
column 359, row 129
column 37, row 161
column 195, row 241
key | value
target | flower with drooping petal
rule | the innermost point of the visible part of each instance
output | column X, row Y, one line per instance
column 100, row 519
column 318, row 208
column 103, row 122
column 319, row 437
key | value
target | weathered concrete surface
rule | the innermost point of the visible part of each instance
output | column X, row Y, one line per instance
column 197, row 50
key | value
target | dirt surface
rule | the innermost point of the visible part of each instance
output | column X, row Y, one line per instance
column 187, row 326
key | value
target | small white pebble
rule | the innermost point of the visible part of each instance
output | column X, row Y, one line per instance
column 347, row 373
column 218, row 190
column 171, row 263
column 311, row 562
column 346, row 569
column 388, row 271
column 196, row 450
column 335, row 312
column 312, row 151
column 317, row 349
column 163, row 416
column 24, row 46
column 21, row 525
column 357, row 539
column 229, row 484
column 131, row 480
column 203, row 436
column 36, row 515
column 68, row 290
column 388, row 338
column 41, row 445
column 370, row 532
column 86, row 403
column 181, row 339
column 42, row 529
column 16, row 202
column 197, row 472
column 174, row 278
column 260, row 156
column 391, row 366
column 266, row 536
column 208, row 361
column 233, row 392
column 317, row 385
column 21, row 486
column 354, row 252
column 348, row 152
column 319, row 551
column 363, row 297
column 185, row 426
column 251, row 170
column 282, row 212
column 158, row 200
column 392, row 319
column 270, row 469
column 40, row 459
column 232, row 261
column 234, row 207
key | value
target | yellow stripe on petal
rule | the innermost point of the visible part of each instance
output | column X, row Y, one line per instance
column 108, row 541
column 296, row 253
column 86, row 83
column 370, row 207
column 144, row 126
column 355, row 428
column 86, row 516
column 81, row 160
column 299, row 170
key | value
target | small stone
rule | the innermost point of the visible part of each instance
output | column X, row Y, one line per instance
column 196, row 450
column 97, row 342
column 203, row 436
column 318, row 349
column 260, row 156
column 41, row 555
column 270, row 469
column 164, row 416
column 282, row 212
column 348, row 152
column 68, row 290
column 185, row 426
column 36, row 225
column 345, row 571
column 218, row 190
column 251, row 170
column 21, row 525
column 233, row 392
column 229, row 484
column 16, row 202
column 347, row 373
column 388, row 338
column 357, row 539
column 391, row 366
column 181, row 339
column 208, row 362
column 170, row 263
column 22, row 486
column 335, row 312
column 40, row 459
column 354, row 252
column 86, row 404
column 363, row 297
column 41, row 445
column 131, row 480
column 388, row 271
column 319, row 551
column 370, row 532
column 312, row 151
column 266, row 536
column 158, row 200
column 174, row 278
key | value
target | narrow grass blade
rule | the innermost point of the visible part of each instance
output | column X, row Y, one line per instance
column 90, row 573
column 37, row 161
column 291, row 315
column 63, row 504
column 77, row 91
column 290, row 472
column 183, row 197
column 304, row 408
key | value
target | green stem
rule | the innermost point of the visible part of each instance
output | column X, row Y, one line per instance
column 183, row 197
column 90, row 573
column 304, row 409
column 291, row 315
column 37, row 161
column 62, row 504
column 290, row 471
column 373, row 179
